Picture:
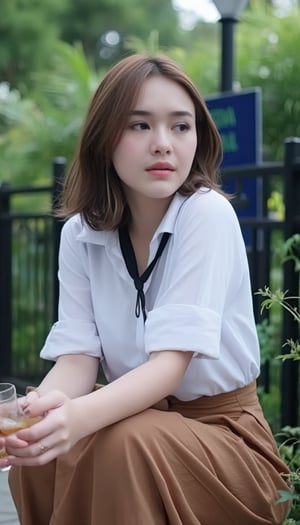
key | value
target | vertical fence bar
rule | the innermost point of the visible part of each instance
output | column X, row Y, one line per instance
column 266, row 274
column 59, row 169
column 289, row 376
column 5, row 282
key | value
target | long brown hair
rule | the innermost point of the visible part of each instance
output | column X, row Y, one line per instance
column 92, row 186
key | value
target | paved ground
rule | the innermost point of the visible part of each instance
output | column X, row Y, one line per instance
column 8, row 514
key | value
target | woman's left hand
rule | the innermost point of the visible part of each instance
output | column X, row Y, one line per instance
column 53, row 435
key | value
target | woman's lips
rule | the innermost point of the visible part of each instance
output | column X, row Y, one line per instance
column 160, row 169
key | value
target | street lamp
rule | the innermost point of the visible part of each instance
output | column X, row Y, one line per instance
column 230, row 11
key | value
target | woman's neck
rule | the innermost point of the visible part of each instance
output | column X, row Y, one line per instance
column 146, row 215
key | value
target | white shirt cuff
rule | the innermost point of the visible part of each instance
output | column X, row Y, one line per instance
column 183, row 327
column 72, row 337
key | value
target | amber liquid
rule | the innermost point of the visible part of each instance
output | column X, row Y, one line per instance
column 10, row 426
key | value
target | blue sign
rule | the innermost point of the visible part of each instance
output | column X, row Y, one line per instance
column 238, row 119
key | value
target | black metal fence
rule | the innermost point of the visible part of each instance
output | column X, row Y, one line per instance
column 28, row 267
column 263, row 233
column 29, row 243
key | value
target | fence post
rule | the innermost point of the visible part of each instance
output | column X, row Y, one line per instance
column 5, row 282
column 289, row 376
column 59, row 169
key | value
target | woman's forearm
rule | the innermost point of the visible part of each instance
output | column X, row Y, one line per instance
column 133, row 392
column 75, row 375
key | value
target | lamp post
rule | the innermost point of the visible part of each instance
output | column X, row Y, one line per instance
column 230, row 11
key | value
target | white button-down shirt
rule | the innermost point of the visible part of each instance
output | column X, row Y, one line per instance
column 198, row 298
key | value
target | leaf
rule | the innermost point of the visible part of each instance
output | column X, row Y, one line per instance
column 286, row 496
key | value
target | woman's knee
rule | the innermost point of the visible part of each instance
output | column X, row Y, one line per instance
column 139, row 431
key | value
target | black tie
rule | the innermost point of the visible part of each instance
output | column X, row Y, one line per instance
column 131, row 265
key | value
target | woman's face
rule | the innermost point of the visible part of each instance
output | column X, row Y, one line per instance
column 155, row 153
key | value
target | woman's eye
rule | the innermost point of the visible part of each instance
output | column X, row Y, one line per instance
column 139, row 125
column 181, row 127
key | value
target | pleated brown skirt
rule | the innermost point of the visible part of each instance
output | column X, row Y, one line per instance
column 211, row 461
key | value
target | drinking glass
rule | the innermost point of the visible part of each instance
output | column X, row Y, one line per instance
column 12, row 417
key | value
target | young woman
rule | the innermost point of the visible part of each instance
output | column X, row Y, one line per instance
column 154, row 285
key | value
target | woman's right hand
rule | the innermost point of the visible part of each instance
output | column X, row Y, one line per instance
column 53, row 435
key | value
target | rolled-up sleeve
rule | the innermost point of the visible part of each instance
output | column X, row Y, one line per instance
column 75, row 332
column 72, row 336
column 183, row 327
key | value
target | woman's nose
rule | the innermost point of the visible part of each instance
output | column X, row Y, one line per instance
column 161, row 142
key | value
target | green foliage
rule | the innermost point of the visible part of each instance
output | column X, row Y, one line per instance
column 281, row 298
column 289, row 447
column 139, row 45
column 48, row 124
column 28, row 29
column 33, row 266
column 200, row 57
column 276, row 206
column 27, row 32
column 289, row 450
column 291, row 251
column 268, row 57
column 268, row 339
column 270, row 400
column 94, row 22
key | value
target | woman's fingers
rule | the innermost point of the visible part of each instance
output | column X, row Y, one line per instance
column 37, row 453
column 14, row 442
column 47, row 439
column 35, row 433
column 37, row 406
column 45, row 447
column 37, row 460
column 48, row 445
column 27, row 435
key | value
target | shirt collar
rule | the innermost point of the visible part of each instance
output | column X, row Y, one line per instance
column 167, row 223
column 109, row 238
column 88, row 235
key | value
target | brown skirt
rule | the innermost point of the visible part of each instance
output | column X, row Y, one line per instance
column 211, row 461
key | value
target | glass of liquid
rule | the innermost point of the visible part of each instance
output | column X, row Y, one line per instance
column 12, row 418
